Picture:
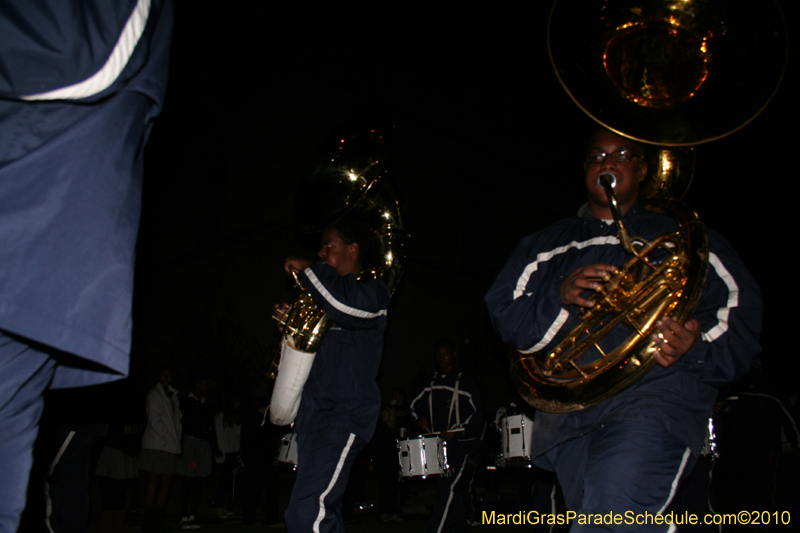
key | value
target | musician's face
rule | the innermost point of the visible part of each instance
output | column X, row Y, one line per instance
column 445, row 360
column 337, row 254
column 628, row 175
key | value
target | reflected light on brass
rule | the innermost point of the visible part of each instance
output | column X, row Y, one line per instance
column 670, row 172
column 660, row 79
column 669, row 72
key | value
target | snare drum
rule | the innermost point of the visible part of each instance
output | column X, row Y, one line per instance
column 422, row 456
column 517, row 433
column 287, row 452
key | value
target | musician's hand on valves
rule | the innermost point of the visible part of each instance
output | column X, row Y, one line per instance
column 674, row 340
column 278, row 312
column 296, row 264
column 586, row 278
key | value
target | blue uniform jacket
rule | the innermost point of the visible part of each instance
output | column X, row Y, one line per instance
column 525, row 307
column 80, row 85
column 433, row 402
column 341, row 391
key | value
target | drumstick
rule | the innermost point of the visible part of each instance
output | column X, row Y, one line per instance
column 439, row 433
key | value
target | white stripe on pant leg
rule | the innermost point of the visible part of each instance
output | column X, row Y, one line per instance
column 710, row 481
column 677, row 480
column 48, row 500
column 450, row 498
column 339, row 466
column 674, row 488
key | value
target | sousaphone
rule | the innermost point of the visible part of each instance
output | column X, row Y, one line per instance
column 351, row 180
column 667, row 73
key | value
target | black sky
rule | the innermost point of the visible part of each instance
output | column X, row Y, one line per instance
column 488, row 148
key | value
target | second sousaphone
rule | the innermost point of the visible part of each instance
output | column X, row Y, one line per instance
column 672, row 74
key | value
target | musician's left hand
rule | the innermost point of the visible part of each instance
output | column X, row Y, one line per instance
column 278, row 310
column 674, row 340
column 450, row 435
column 297, row 264
column 423, row 424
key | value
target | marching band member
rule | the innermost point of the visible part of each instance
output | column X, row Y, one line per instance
column 628, row 452
column 340, row 401
column 450, row 404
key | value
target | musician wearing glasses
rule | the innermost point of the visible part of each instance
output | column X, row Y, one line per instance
column 627, row 452
column 340, row 402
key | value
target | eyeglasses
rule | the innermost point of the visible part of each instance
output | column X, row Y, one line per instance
column 620, row 156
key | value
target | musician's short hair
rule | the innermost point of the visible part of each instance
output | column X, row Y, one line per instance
column 445, row 342
column 352, row 230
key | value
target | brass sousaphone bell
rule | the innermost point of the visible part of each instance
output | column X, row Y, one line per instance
column 669, row 73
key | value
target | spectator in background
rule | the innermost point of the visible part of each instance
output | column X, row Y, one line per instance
column 161, row 444
column 195, row 461
column 116, row 467
column 259, row 447
column 228, row 430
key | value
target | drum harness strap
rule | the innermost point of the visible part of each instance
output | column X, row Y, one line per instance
column 453, row 403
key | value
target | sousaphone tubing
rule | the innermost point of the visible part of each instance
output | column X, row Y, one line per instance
column 351, row 180
column 672, row 74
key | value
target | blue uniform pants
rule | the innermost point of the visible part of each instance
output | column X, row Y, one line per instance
column 324, row 460
column 626, row 468
column 25, row 373
column 453, row 503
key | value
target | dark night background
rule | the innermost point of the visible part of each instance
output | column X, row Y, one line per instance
column 488, row 148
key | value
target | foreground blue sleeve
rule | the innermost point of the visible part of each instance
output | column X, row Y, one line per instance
column 80, row 85
column 729, row 312
column 350, row 303
column 524, row 302
column 71, row 50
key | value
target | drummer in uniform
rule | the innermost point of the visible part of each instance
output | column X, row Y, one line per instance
column 450, row 404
